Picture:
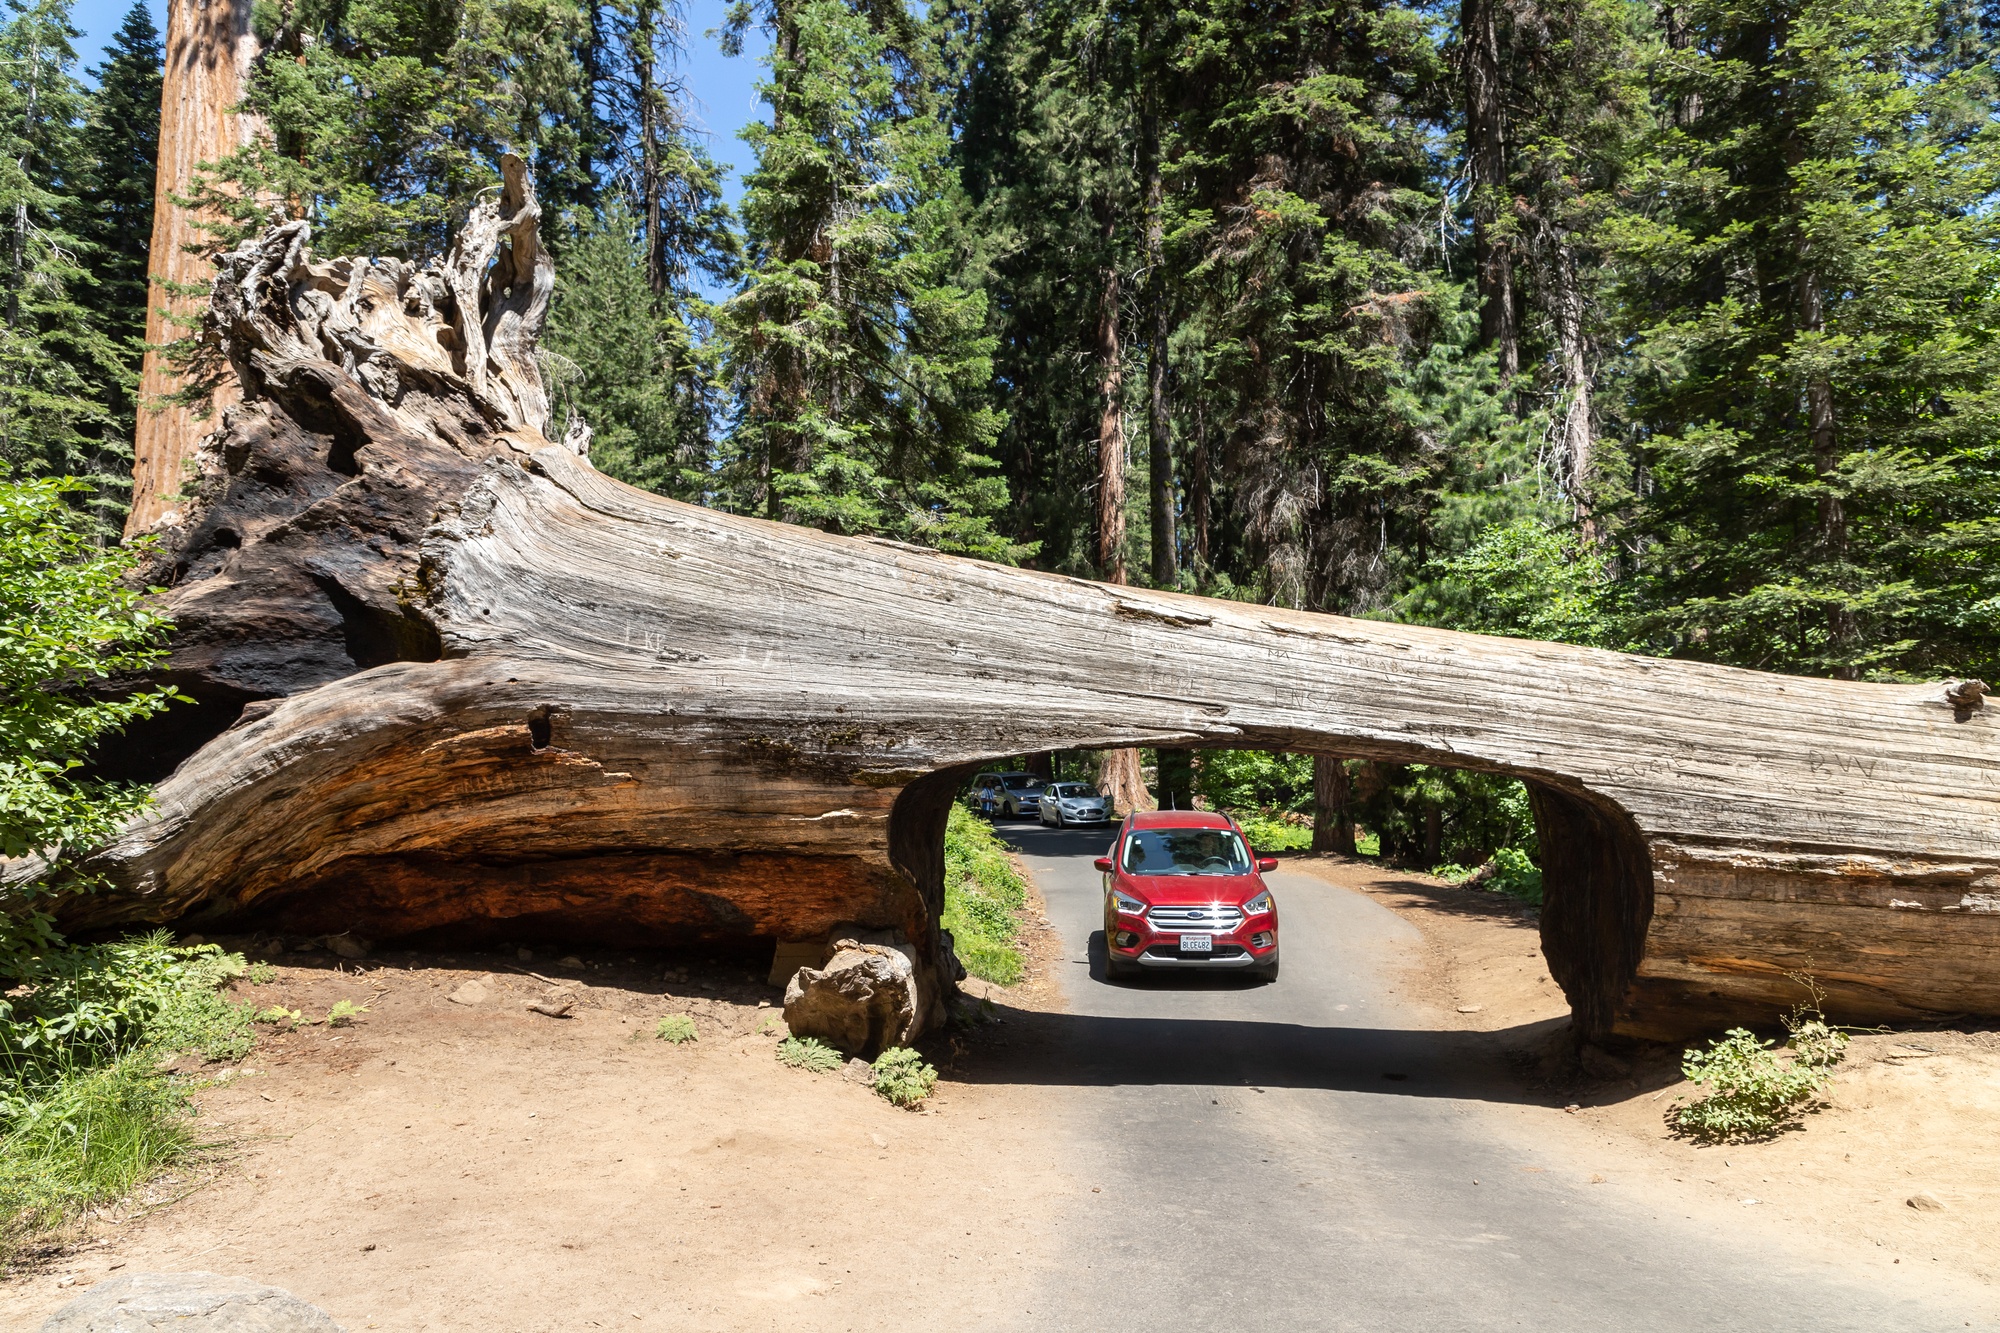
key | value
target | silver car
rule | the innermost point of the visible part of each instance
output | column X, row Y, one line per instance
column 1066, row 803
column 1017, row 795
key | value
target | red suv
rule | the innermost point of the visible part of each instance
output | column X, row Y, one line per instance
column 1184, row 890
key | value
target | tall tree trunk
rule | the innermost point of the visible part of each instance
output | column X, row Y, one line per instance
column 1687, row 108
column 1841, row 623
column 642, row 56
column 1577, row 427
column 1119, row 778
column 1486, row 150
column 1200, row 499
column 1110, row 432
column 1333, row 822
column 1159, row 426
column 1174, row 778
column 209, row 48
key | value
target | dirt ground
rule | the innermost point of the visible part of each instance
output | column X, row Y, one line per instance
column 469, row 1164
column 1909, row 1116
column 454, row 1160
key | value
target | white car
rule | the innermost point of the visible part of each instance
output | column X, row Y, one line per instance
column 1066, row 803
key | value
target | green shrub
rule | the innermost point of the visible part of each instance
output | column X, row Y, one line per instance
column 344, row 1012
column 676, row 1028
column 1755, row 1090
column 810, row 1054
column 1269, row 834
column 902, row 1076
column 983, row 899
column 1254, row 780
column 1510, row 871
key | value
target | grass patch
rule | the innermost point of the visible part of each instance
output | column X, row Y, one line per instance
column 903, row 1078
column 98, row 1135
column 983, row 899
column 810, row 1054
column 85, row 1112
column 676, row 1028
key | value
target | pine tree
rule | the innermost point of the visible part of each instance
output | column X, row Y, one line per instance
column 638, row 365
column 1303, row 198
column 859, row 361
column 631, row 323
column 1815, row 333
column 57, row 367
column 120, row 150
column 386, row 117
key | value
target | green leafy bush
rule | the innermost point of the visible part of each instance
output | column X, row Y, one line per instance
column 1510, row 871
column 1254, row 780
column 74, row 1007
column 676, row 1028
column 1267, row 834
column 66, row 619
column 1755, row 1090
column 983, row 898
column 903, row 1078
column 810, row 1054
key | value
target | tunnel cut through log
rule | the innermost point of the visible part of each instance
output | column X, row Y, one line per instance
column 456, row 679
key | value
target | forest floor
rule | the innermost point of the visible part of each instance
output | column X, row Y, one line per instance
column 453, row 1160
column 1908, row 1117
column 465, row 1163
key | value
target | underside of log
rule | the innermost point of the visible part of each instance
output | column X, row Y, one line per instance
column 454, row 679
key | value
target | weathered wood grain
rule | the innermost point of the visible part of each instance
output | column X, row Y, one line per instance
column 614, row 716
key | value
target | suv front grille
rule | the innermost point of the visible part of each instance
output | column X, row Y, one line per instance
column 1221, row 918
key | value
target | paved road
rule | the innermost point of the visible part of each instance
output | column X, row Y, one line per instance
column 1305, row 1156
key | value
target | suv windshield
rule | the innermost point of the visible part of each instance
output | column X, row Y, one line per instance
column 1022, row 782
column 1193, row 851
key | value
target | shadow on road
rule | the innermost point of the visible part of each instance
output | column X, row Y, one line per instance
column 1084, row 1050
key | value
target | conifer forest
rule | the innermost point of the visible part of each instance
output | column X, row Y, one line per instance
column 1664, row 327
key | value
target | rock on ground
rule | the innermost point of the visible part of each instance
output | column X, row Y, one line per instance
column 188, row 1303
column 861, row 1000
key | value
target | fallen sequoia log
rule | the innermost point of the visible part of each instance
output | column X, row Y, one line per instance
column 452, row 679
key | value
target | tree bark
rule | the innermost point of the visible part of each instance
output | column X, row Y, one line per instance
column 455, row 680
column 1121, row 778
column 1333, row 821
column 1486, row 154
column 209, row 51
column 1843, row 628
column 1577, row 427
column 1110, row 432
column 1159, row 423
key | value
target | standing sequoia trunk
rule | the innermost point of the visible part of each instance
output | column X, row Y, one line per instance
column 209, row 50
column 480, row 688
column 1333, row 818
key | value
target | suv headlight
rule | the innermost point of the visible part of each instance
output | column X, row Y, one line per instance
column 1126, row 904
column 1259, row 905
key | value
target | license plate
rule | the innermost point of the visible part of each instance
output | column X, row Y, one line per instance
column 1197, row 944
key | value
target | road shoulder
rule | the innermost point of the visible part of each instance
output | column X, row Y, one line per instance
column 1908, row 1116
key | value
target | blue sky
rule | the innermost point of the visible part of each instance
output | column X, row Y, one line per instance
column 725, row 99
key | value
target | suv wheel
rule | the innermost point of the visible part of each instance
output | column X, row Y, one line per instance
column 1268, row 973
